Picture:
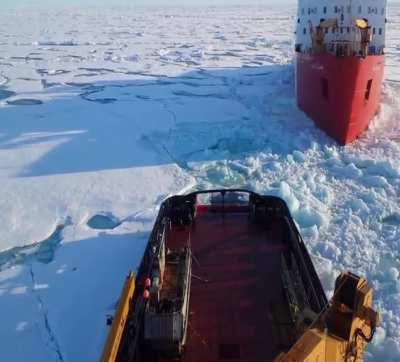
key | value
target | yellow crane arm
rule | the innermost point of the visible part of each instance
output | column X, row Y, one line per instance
column 117, row 328
column 343, row 331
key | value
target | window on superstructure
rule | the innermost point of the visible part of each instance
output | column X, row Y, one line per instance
column 383, row 11
column 380, row 31
column 336, row 9
column 369, row 10
column 348, row 30
column 373, row 31
column 359, row 9
column 302, row 11
column 326, row 30
column 304, row 30
column 349, row 9
column 309, row 11
column 325, row 9
column 341, row 30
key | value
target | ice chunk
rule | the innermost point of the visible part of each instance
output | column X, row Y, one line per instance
column 329, row 250
column 40, row 286
column 375, row 181
column 308, row 218
column 358, row 205
column 21, row 326
column 393, row 273
column 299, row 156
column 286, row 193
column 238, row 167
column 284, row 190
column 383, row 168
column 325, row 272
column 379, row 336
column 310, row 232
column 350, row 171
column 273, row 166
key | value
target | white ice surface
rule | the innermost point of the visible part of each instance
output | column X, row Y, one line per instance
column 109, row 111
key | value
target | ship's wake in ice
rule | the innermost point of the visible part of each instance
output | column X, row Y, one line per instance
column 103, row 119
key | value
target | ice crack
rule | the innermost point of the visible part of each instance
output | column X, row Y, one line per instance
column 52, row 338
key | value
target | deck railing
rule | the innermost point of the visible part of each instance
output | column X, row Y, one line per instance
column 341, row 41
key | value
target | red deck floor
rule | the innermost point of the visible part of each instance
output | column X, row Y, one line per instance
column 237, row 304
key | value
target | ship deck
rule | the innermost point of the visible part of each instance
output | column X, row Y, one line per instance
column 238, row 309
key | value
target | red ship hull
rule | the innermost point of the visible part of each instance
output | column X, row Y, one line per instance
column 341, row 94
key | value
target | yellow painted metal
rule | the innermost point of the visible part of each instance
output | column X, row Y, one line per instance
column 117, row 328
column 342, row 332
column 361, row 23
column 310, row 347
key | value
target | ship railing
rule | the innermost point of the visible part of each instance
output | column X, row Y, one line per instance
column 342, row 48
column 352, row 48
column 224, row 200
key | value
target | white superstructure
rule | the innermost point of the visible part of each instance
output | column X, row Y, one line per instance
column 339, row 19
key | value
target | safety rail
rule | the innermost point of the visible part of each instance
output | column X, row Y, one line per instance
column 128, row 350
column 330, row 37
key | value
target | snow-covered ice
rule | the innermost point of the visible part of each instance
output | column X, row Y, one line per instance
column 106, row 112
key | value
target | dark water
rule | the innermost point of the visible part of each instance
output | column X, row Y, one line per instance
column 103, row 222
column 43, row 251
column 4, row 94
column 25, row 102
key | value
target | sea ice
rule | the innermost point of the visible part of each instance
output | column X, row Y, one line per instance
column 105, row 118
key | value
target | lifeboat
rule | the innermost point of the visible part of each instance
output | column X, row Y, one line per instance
column 226, row 276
